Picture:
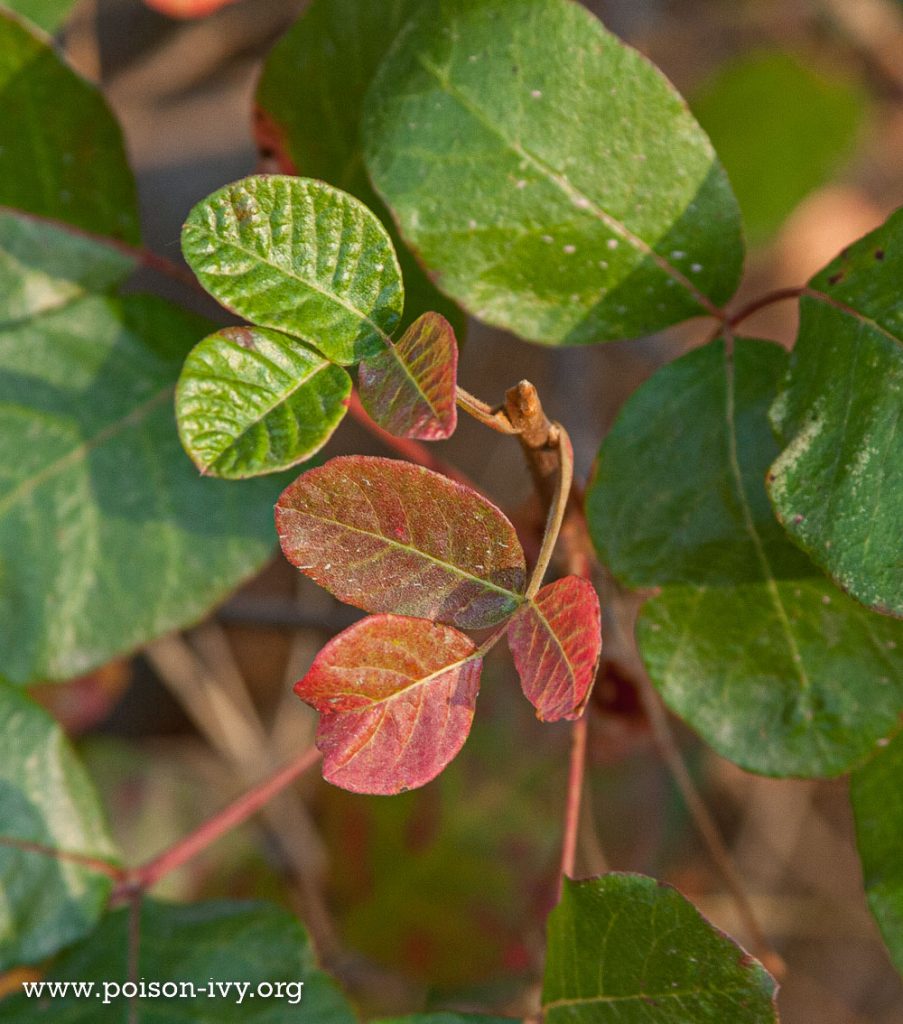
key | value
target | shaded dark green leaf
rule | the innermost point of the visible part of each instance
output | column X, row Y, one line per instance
column 47, row 805
column 625, row 949
column 746, row 640
column 838, row 485
column 876, row 790
column 504, row 136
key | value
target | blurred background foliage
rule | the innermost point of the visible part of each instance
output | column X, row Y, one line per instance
column 442, row 893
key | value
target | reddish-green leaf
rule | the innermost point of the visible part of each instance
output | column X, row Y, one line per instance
column 409, row 387
column 396, row 697
column 388, row 536
column 555, row 640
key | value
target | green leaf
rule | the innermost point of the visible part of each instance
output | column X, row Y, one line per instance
column 389, row 536
column 108, row 537
column 46, row 14
column 410, row 388
column 47, row 805
column 74, row 168
column 309, row 109
column 550, row 176
column 625, row 949
column 446, row 1018
column 746, row 640
column 774, row 162
column 42, row 267
column 838, row 485
column 876, row 790
column 396, row 698
column 194, row 944
column 299, row 256
column 252, row 401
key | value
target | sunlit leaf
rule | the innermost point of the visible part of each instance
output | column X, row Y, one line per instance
column 252, row 401
column 624, row 949
column 396, row 697
column 47, row 805
column 389, row 536
column 775, row 161
column 47, row 14
column 746, row 639
column 838, row 485
column 506, row 137
column 876, row 790
column 299, row 256
column 409, row 388
column 218, row 945
column 108, row 536
column 74, row 168
column 556, row 643
column 298, row 116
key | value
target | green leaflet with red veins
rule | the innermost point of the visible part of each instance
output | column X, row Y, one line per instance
column 409, row 388
column 396, row 697
column 556, row 642
column 389, row 536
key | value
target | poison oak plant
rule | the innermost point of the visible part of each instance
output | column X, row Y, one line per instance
column 551, row 182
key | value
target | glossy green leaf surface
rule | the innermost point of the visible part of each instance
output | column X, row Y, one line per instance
column 74, row 169
column 410, row 388
column 555, row 641
column 507, row 140
column 876, row 790
column 252, row 401
column 776, row 161
column 299, row 256
column 628, row 950
column 310, row 105
column 47, row 14
column 389, row 536
column 837, row 487
column 746, row 640
column 396, row 698
column 108, row 536
column 46, row 802
column 200, row 944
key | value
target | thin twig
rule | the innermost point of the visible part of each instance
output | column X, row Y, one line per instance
column 557, row 508
column 103, row 867
column 496, row 419
column 574, row 799
column 239, row 811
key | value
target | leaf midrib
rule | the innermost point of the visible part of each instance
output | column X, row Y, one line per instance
column 642, row 996
column 575, row 195
column 475, row 655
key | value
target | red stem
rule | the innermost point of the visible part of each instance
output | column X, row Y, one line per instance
column 246, row 806
column 574, row 799
column 769, row 299
column 104, row 867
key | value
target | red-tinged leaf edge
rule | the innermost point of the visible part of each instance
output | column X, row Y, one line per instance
column 409, row 388
column 389, row 536
column 187, row 8
column 396, row 697
column 556, row 643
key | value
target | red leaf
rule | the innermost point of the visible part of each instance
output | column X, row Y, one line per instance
column 187, row 8
column 389, row 536
column 555, row 640
column 396, row 697
column 409, row 388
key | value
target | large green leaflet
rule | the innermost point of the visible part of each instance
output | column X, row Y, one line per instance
column 838, row 485
column 446, row 1018
column 302, row 257
column 200, row 944
column 47, row 804
column 775, row 161
column 548, row 175
column 48, row 14
column 310, row 105
column 746, row 640
column 74, row 168
column 108, row 536
column 624, row 949
column 876, row 790
column 252, row 401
